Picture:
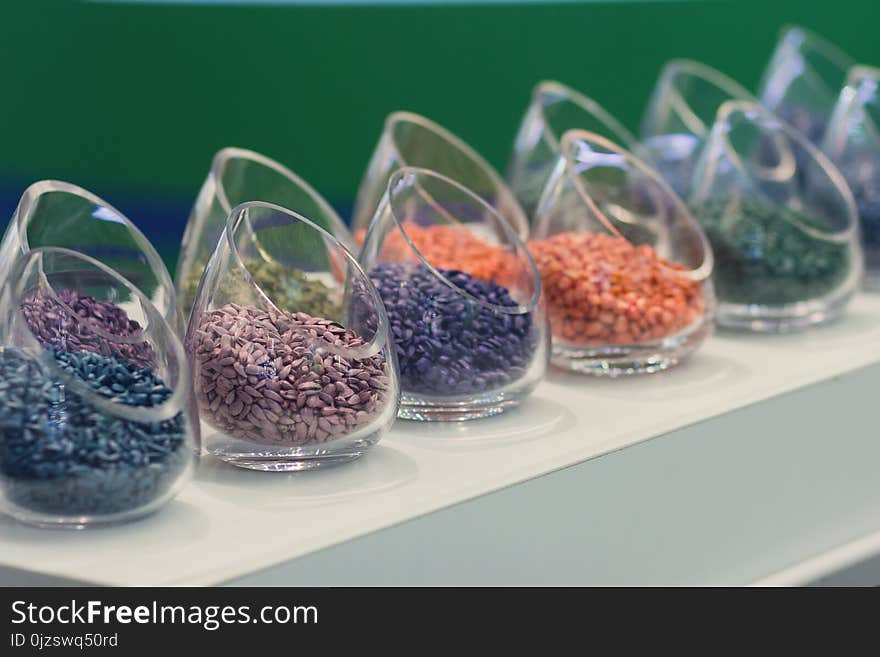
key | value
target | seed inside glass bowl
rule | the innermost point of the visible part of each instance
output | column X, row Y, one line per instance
column 764, row 256
column 279, row 377
column 603, row 290
column 447, row 344
column 61, row 454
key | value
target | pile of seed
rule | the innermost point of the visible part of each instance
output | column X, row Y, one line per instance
column 287, row 287
column 763, row 257
column 292, row 289
column 446, row 344
column 603, row 290
column 72, row 328
column 60, row 454
column 269, row 377
column 452, row 247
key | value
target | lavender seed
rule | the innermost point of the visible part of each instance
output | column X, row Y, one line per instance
column 274, row 386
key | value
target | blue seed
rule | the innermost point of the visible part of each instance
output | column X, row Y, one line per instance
column 60, row 454
column 442, row 341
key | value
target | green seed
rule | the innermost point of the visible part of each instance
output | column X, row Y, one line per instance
column 763, row 256
column 289, row 288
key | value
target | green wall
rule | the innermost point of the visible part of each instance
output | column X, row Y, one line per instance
column 131, row 101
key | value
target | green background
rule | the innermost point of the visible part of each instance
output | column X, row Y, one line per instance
column 131, row 101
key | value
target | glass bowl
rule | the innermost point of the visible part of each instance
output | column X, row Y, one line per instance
column 554, row 109
column 236, row 176
column 462, row 295
column 412, row 140
column 97, row 418
column 803, row 80
column 781, row 220
column 296, row 376
column 54, row 213
column 679, row 116
column 852, row 141
column 625, row 267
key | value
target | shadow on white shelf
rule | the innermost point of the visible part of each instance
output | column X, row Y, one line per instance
column 691, row 377
column 536, row 418
column 175, row 523
column 857, row 323
column 379, row 470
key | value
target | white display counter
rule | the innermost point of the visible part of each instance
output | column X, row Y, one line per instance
column 738, row 483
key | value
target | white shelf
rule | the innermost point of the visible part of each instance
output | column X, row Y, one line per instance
column 855, row 563
column 229, row 523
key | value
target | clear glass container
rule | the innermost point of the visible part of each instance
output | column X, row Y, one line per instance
column 412, row 140
column 463, row 299
column 781, row 220
column 295, row 378
column 626, row 270
column 852, row 141
column 54, row 213
column 679, row 116
column 237, row 176
column 554, row 109
column 803, row 80
column 97, row 416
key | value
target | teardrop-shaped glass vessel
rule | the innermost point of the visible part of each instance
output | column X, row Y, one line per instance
column 852, row 141
column 236, row 176
column 803, row 80
column 781, row 220
column 97, row 416
column 291, row 378
column 54, row 213
column 409, row 139
column 679, row 116
column 462, row 295
column 554, row 109
column 624, row 266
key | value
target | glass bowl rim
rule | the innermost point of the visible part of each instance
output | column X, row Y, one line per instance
column 238, row 214
column 860, row 72
column 154, row 260
column 229, row 153
column 797, row 36
column 673, row 70
column 700, row 273
column 511, row 234
column 423, row 122
column 769, row 123
column 545, row 88
column 180, row 387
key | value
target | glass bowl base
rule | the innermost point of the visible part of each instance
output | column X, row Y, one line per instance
column 50, row 504
column 784, row 319
column 616, row 365
column 452, row 410
column 50, row 521
column 631, row 360
column 280, row 458
column 281, row 464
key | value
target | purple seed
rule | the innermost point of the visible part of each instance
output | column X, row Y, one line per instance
column 274, row 396
column 86, row 328
column 278, row 387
